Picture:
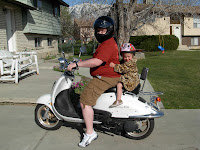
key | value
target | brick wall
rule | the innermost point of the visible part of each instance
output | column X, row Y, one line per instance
column 3, row 37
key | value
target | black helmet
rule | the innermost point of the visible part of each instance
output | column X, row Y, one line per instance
column 107, row 23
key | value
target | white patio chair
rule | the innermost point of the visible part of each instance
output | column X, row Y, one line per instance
column 15, row 66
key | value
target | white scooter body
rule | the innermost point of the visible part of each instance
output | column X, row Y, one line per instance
column 131, row 107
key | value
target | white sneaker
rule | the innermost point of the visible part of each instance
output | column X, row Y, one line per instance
column 87, row 139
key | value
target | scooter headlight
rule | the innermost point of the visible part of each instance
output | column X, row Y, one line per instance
column 61, row 60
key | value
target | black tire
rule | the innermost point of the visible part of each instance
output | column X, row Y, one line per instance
column 145, row 128
column 50, row 122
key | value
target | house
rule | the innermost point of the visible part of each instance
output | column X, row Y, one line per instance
column 30, row 25
column 186, row 27
column 84, row 29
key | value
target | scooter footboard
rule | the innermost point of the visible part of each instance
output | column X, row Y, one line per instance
column 45, row 99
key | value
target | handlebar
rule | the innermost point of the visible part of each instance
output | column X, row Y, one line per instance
column 64, row 63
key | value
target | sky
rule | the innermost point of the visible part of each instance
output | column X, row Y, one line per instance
column 72, row 2
column 75, row 2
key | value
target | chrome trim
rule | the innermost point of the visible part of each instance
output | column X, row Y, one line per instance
column 157, row 115
column 150, row 93
column 77, row 120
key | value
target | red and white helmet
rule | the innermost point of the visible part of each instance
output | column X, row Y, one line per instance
column 127, row 48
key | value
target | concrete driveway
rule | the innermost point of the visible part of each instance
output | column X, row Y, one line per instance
column 177, row 130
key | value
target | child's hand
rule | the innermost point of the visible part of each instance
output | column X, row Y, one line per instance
column 112, row 65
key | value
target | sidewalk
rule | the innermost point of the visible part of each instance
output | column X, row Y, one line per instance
column 32, row 87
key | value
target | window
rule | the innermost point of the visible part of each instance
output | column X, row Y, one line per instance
column 56, row 9
column 175, row 19
column 196, row 22
column 56, row 13
column 37, row 3
column 194, row 41
column 49, row 41
column 38, row 42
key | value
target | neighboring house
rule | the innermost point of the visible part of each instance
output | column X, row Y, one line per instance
column 84, row 28
column 186, row 28
column 30, row 25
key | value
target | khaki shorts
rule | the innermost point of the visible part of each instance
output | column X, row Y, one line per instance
column 95, row 88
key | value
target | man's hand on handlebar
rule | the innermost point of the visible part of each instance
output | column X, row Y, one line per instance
column 71, row 66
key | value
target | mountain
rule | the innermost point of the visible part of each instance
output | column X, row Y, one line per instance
column 87, row 10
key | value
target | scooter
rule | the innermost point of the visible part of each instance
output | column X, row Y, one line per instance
column 133, row 119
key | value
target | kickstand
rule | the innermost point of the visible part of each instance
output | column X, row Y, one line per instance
column 104, row 132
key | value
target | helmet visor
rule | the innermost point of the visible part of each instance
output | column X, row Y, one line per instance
column 102, row 24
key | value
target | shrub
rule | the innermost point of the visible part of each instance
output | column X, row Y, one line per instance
column 77, row 47
column 171, row 42
column 67, row 48
column 151, row 43
column 90, row 47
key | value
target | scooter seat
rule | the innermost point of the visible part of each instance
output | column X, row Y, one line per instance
column 114, row 89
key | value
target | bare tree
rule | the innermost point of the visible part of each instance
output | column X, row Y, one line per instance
column 67, row 26
column 131, row 15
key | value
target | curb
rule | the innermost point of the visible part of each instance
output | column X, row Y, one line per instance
column 18, row 100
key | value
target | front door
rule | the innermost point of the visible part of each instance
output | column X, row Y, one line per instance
column 10, row 30
column 177, row 33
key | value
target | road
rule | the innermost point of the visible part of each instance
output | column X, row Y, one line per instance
column 177, row 130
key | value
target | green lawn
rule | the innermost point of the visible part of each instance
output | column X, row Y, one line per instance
column 177, row 74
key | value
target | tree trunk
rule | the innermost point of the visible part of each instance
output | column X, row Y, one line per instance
column 123, row 14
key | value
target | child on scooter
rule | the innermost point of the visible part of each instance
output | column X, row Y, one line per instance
column 128, row 69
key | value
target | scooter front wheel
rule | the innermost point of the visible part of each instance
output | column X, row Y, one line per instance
column 45, row 118
column 142, row 128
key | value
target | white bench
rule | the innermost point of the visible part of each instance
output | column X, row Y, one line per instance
column 15, row 66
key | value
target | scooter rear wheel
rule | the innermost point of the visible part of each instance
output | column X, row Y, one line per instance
column 46, row 119
column 144, row 129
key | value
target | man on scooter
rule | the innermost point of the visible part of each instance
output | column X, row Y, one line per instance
column 104, row 76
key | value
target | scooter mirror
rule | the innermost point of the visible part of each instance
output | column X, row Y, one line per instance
column 63, row 53
column 79, row 55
